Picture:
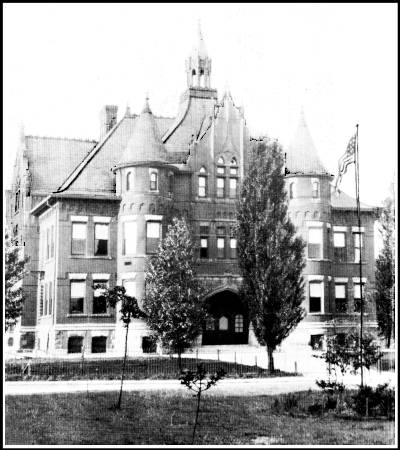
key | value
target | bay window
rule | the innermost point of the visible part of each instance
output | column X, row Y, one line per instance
column 153, row 236
column 315, row 243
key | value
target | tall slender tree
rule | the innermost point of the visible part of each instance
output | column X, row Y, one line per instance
column 385, row 273
column 14, row 272
column 270, row 254
column 174, row 302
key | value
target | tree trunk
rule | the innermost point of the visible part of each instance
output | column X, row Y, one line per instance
column 118, row 405
column 180, row 360
column 271, row 366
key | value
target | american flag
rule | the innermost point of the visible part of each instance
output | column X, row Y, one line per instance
column 345, row 160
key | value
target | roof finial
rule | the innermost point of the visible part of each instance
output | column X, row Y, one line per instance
column 200, row 47
column 127, row 110
column 146, row 107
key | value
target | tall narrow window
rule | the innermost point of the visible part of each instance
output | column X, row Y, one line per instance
column 129, row 238
column 220, row 187
column 153, row 236
column 238, row 323
column 315, row 297
column 233, row 245
column 171, row 183
column 291, row 190
column 202, row 186
column 232, row 187
column 315, row 243
column 339, row 245
column 101, row 233
column 223, row 323
column 99, row 300
column 78, row 289
column 46, row 298
column 315, row 189
column 41, row 299
column 204, row 230
column 357, row 297
column 340, row 298
column 153, row 181
column 129, row 181
column 48, row 238
column 78, row 246
column 50, row 298
column 358, row 246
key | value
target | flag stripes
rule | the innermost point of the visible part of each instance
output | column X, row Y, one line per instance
column 347, row 159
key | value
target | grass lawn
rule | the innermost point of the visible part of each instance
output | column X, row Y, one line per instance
column 166, row 418
column 136, row 369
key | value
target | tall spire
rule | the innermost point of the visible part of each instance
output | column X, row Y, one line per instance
column 146, row 106
column 198, row 65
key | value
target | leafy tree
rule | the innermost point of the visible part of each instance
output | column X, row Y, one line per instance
column 14, row 273
column 174, row 296
column 129, row 310
column 270, row 254
column 385, row 273
column 198, row 382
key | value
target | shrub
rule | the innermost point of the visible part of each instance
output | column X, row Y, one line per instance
column 378, row 401
column 290, row 402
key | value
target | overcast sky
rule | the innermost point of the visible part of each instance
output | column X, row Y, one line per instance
column 63, row 62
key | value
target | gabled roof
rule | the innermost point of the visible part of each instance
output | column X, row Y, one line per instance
column 301, row 155
column 344, row 201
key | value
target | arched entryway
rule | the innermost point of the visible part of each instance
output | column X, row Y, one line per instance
column 228, row 323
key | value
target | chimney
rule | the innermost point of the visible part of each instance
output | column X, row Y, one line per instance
column 108, row 118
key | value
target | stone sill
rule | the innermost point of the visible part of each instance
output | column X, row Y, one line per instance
column 90, row 257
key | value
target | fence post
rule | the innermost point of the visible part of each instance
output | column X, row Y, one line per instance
column 366, row 407
column 218, row 354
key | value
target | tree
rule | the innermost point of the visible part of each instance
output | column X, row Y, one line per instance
column 385, row 273
column 14, row 273
column 129, row 310
column 270, row 254
column 174, row 302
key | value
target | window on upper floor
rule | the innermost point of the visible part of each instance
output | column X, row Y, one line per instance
column 129, row 238
column 78, row 245
column 171, row 183
column 341, row 298
column 99, row 300
column 153, row 236
column 239, row 323
column 358, row 246
column 315, row 189
column 204, row 232
column 17, row 198
column 129, row 181
column 232, row 188
column 153, row 181
column 223, row 323
column 101, row 238
column 220, row 187
column 41, row 299
column 77, row 297
column 315, row 243
column 357, row 297
column 220, row 160
column 315, row 296
column 291, row 190
column 50, row 302
column 339, row 245
column 202, row 187
column 233, row 247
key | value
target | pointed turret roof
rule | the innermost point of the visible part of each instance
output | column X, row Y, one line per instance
column 199, row 50
column 301, row 154
column 145, row 144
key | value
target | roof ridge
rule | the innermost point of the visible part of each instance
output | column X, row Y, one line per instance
column 60, row 138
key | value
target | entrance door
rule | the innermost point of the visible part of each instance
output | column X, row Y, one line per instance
column 228, row 322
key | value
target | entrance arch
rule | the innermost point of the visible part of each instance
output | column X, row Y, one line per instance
column 228, row 323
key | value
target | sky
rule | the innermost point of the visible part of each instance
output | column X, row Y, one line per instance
column 63, row 62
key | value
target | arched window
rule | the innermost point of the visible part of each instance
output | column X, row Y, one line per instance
column 202, row 169
column 291, row 190
column 201, row 78
column 202, row 188
column 128, row 181
column 193, row 76
column 210, row 323
column 153, row 181
column 233, row 161
column 315, row 189
column 239, row 323
column 223, row 323
column 220, row 160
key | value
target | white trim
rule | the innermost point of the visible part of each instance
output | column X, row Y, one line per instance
column 100, row 276
column 341, row 280
column 79, row 218
column 101, row 219
column 339, row 228
column 314, row 223
column 315, row 277
column 358, row 230
column 77, row 276
column 153, row 217
column 128, row 218
column 357, row 279
column 88, row 326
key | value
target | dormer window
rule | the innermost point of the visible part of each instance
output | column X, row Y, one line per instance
column 153, row 181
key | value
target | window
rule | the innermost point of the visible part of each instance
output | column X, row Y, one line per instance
column 149, row 344
column 130, row 287
column 99, row 344
column 153, row 181
column 315, row 189
column 129, row 238
column 315, row 297
column 202, row 169
column 17, row 198
column 317, row 341
column 204, row 241
column 50, row 311
column 128, row 181
column 75, row 344
column 99, row 300
column 220, row 160
column 101, row 239
column 232, row 187
column 239, row 323
column 210, row 325
column 202, row 186
column 41, row 300
column 77, row 297
column 52, row 242
column 233, row 246
column 233, row 161
column 46, row 298
column 153, row 235
column 171, row 183
column 221, row 247
column 48, row 243
column 357, row 298
column 340, row 298
column 315, row 242
column 358, row 244
column 291, row 190
column 10, row 341
column 339, row 245
column 220, row 187
column 233, row 170
column 221, row 170
column 223, row 323
column 78, row 238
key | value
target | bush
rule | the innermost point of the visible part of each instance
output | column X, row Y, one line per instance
column 373, row 402
column 290, row 402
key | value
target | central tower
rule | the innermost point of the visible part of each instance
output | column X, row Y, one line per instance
column 198, row 65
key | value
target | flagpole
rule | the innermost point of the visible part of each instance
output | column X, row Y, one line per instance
column 360, row 242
